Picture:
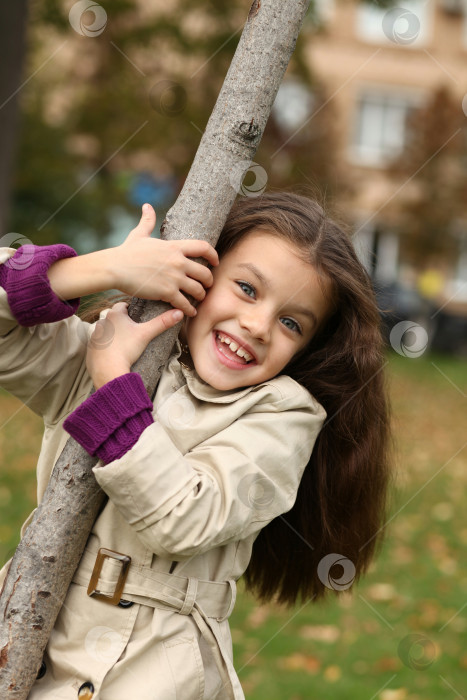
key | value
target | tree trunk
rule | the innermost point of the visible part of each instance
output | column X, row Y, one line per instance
column 46, row 558
column 12, row 50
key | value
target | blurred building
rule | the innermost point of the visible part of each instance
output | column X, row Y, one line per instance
column 379, row 66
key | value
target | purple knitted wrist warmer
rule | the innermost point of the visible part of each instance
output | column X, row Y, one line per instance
column 30, row 296
column 109, row 422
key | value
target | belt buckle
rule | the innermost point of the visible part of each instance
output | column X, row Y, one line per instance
column 102, row 555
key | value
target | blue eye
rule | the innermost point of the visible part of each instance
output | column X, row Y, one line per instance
column 248, row 286
column 294, row 327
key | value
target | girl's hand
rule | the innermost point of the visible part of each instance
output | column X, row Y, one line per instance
column 151, row 268
column 117, row 342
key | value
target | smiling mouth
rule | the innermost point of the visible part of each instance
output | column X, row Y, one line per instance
column 232, row 350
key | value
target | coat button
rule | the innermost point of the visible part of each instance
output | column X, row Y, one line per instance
column 125, row 604
column 86, row 691
column 42, row 670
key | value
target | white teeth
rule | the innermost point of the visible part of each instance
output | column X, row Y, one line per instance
column 241, row 352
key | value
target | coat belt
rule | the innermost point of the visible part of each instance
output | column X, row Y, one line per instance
column 201, row 599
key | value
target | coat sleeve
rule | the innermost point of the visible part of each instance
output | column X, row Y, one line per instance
column 43, row 365
column 225, row 490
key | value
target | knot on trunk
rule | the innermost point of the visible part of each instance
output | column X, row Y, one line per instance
column 249, row 130
column 254, row 9
column 246, row 133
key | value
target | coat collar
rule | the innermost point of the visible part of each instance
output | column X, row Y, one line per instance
column 199, row 388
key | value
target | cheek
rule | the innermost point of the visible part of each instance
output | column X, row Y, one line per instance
column 200, row 323
column 289, row 350
column 213, row 303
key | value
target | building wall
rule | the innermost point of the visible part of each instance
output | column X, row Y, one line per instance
column 374, row 64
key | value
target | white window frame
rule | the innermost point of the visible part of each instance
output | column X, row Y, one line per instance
column 369, row 23
column 379, row 150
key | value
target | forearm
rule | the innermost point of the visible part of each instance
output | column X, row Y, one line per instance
column 109, row 422
column 71, row 278
column 24, row 278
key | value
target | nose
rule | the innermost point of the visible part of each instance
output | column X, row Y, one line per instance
column 257, row 322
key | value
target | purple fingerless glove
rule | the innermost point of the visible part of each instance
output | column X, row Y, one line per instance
column 109, row 422
column 30, row 296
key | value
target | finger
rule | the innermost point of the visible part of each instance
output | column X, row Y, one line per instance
column 179, row 301
column 200, row 249
column 193, row 288
column 199, row 272
column 121, row 306
column 146, row 223
column 102, row 336
column 161, row 323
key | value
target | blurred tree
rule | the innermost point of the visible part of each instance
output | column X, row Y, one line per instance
column 124, row 103
column 115, row 117
column 13, row 18
column 434, row 212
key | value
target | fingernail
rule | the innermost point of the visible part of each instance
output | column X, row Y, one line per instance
column 178, row 315
column 146, row 208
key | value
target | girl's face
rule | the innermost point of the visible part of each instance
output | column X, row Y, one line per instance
column 264, row 306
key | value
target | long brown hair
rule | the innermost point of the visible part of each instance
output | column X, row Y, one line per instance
column 342, row 501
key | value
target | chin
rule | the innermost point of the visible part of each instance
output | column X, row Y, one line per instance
column 222, row 383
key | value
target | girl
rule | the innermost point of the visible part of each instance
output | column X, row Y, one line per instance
column 232, row 468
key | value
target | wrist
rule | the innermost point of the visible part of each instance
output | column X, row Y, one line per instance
column 105, row 261
column 104, row 375
column 115, row 262
column 82, row 275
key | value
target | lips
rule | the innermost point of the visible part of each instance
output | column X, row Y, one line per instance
column 239, row 343
column 229, row 357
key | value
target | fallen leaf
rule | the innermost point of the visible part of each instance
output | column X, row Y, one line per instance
column 258, row 616
column 381, row 591
column 396, row 694
column 322, row 633
column 442, row 511
column 447, row 566
column 300, row 662
column 388, row 663
column 332, row 673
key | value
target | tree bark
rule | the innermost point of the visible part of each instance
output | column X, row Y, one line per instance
column 12, row 50
column 49, row 553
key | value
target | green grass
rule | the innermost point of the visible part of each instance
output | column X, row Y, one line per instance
column 349, row 647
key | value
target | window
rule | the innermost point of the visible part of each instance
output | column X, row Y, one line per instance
column 324, row 10
column 409, row 25
column 381, row 127
column 293, row 105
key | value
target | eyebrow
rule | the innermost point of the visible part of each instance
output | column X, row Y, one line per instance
column 295, row 308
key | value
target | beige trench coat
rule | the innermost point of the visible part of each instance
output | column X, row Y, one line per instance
column 185, row 503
